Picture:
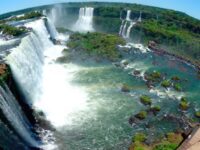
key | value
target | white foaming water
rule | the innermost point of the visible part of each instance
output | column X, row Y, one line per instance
column 167, row 93
column 60, row 98
column 85, row 20
column 48, row 85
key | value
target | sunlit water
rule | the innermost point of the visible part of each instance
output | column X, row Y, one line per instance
column 103, row 123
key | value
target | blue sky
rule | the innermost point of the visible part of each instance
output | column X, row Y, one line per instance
column 191, row 7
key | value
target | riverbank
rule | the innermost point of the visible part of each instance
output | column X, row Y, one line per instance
column 155, row 47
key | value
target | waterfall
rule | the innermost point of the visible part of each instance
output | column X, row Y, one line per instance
column 128, row 15
column 121, row 27
column 30, row 55
column 51, row 28
column 129, row 29
column 13, row 113
column 55, row 14
column 124, row 29
column 140, row 17
column 85, row 20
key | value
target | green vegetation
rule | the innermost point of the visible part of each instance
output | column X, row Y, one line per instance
column 141, row 115
column 197, row 114
column 166, row 83
column 146, row 100
column 177, row 87
column 170, row 142
column 125, row 88
column 139, row 137
column 153, row 77
column 166, row 146
column 30, row 15
column 10, row 30
column 155, row 108
column 97, row 44
column 184, row 105
column 174, row 137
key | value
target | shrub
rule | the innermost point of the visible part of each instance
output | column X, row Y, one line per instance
column 166, row 146
column 177, row 87
column 184, row 105
column 139, row 137
column 11, row 30
column 155, row 108
column 197, row 114
column 166, row 83
column 141, row 115
column 146, row 100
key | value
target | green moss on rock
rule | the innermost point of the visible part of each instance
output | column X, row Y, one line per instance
column 177, row 87
column 184, row 105
column 141, row 115
column 146, row 100
column 125, row 88
column 197, row 114
column 166, row 83
column 155, row 108
column 139, row 137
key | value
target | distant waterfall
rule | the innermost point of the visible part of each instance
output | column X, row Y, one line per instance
column 129, row 29
column 127, row 25
column 128, row 15
column 16, row 118
column 85, row 20
column 55, row 14
column 140, row 17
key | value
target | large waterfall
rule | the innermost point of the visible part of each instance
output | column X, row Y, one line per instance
column 43, row 81
column 84, row 22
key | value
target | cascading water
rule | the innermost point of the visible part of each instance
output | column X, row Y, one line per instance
column 124, row 30
column 128, row 15
column 55, row 14
column 132, row 23
column 34, row 67
column 13, row 113
column 30, row 55
column 84, row 22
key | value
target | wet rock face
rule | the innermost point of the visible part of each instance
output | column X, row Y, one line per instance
column 4, row 72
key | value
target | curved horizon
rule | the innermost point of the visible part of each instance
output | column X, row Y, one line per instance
column 186, row 6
